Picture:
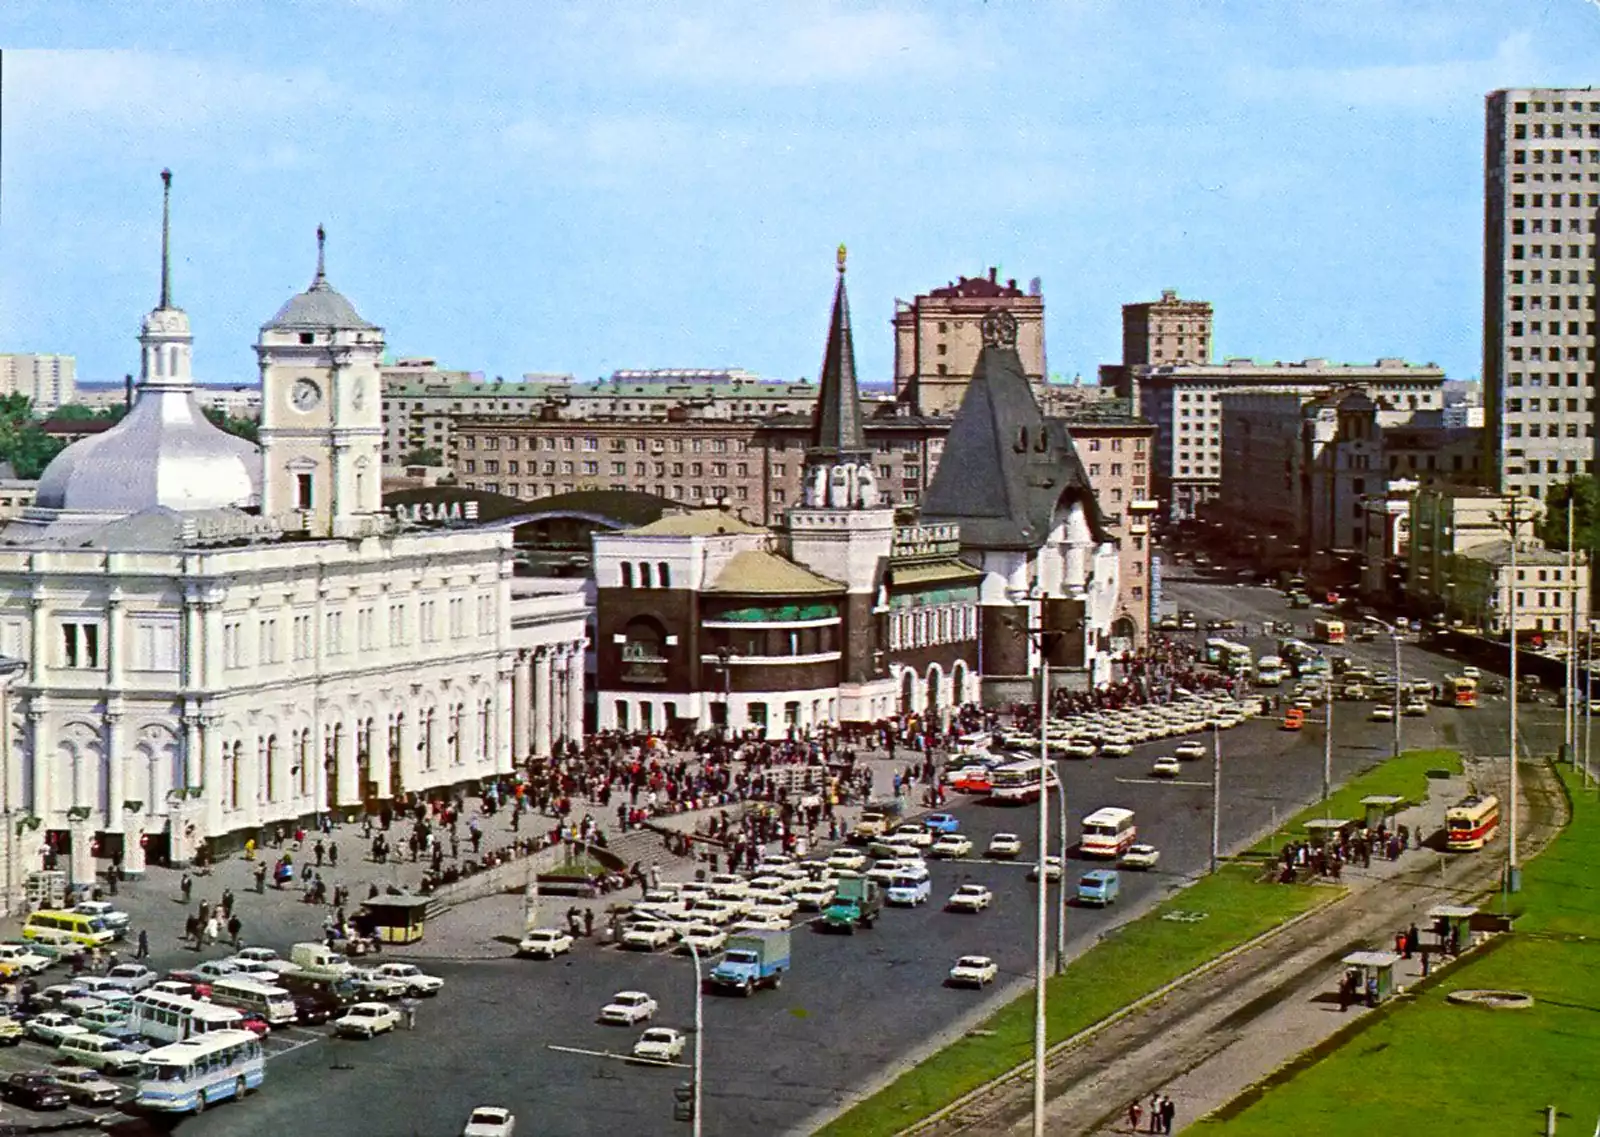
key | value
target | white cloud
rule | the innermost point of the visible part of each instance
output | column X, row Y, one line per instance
column 798, row 44
column 1423, row 86
column 130, row 89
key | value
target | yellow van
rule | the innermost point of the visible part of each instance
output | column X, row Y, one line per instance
column 57, row 926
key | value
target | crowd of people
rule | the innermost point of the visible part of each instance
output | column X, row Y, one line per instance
column 1351, row 845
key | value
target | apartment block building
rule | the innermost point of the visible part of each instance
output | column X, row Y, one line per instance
column 1115, row 447
column 49, row 381
column 1184, row 401
column 1541, row 199
column 1169, row 330
column 753, row 466
column 939, row 335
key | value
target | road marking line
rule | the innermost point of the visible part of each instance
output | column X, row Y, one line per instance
column 1160, row 782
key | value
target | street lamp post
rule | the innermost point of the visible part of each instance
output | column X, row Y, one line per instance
column 1399, row 683
column 1216, row 794
column 699, row 1035
column 1044, row 893
column 724, row 656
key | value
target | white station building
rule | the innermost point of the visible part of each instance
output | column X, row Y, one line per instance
column 220, row 638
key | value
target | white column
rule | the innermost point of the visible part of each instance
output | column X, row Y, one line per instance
column 133, row 862
column 380, row 766
column 82, row 860
column 498, row 746
column 575, row 693
column 211, row 776
column 116, row 774
column 211, row 635
column 408, row 752
column 116, row 649
column 543, row 699
column 346, row 785
column 41, row 753
column 252, row 782
column 521, row 706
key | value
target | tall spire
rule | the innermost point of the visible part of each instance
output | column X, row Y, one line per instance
column 166, row 238
column 836, row 429
column 321, row 279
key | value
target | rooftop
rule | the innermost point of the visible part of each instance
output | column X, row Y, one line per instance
column 755, row 572
column 699, row 523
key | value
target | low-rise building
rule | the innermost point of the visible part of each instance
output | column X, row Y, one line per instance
column 939, row 336
column 1448, row 522
column 1550, row 593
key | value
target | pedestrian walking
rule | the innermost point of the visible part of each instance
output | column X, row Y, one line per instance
column 1169, row 1113
column 1135, row 1112
column 186, row 886
column 1155, row 1113
column 408, row 1007
column 333, row 855
column 588, row 923
column 227, row 902
column 261, row 878
column 143, row 951
column 320, row 850
column 234, row 925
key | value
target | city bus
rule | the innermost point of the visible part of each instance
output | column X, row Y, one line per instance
column 1108, row 832
column 268, row 1000
column 1328, row 631
column 185, row 1077
column 174, row 1018
column 1018, row 782
column 1472, row 821
column 1459, row 691
column 1269, row 671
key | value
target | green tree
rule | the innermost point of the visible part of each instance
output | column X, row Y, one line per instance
column 1582, row 496
column 246, row 428
column 426, row 456
column 22, row 443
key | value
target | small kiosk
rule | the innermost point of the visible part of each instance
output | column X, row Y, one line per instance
column 1374, row 972
column 1452, row 923
column 1381, row 809
column 393, row 919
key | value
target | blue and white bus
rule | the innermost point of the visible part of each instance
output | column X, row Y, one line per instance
column 161, row 1017
column 186, row 1077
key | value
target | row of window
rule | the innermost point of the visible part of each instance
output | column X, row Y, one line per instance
column 1536, row 379
column 1548, row 466
column 1550, row 405
column 1116, row 443
column 1556, row 157
column 1537, row 354
column 1520, row 178
column 1537, row 252
column 1550, row 430
column 660, row 578
column 1536, row 303
column 591, row 443
column 1537, row 225
column 1116, row 469
column 1537, row 201
column 1551, row 328
column 1536, row 276
column 924, row 627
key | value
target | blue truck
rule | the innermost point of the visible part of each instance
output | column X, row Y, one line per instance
column 757, row 958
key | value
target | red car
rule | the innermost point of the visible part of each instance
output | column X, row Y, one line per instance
column 256, row 1025
column 199, row 986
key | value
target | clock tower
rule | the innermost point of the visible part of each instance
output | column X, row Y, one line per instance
column 321, row 410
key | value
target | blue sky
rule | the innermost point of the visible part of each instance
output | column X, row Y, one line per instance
column 578, row 187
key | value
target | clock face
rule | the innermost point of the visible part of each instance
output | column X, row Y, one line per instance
column 305, row 395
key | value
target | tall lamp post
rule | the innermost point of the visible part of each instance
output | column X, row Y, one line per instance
column 1399, row 685
column 699, row 1041
column 725, row 656
column 1513, row 866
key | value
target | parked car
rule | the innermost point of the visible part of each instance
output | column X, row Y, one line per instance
column 544, row 943
column 660, row 1044
column 628, row 1007
column 973, row 971
column 52, row 1026
column 34, row 1091
column 1004, row 846
column 490, row 1121
column 1141, row 857
column 132, row 976
column 942, row 822
column 969, row 898
column 418, row 983
column 85, row 1086
column 115, row 920
column 17, row 959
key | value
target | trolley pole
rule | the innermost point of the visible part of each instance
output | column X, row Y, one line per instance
column 1216, row 795
column 1043, row 930
column 1513, row 869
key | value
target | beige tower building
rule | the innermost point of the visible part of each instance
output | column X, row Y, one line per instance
column 321, row 410
column 1165, row 331
column 938, row 337
column 1540, row 198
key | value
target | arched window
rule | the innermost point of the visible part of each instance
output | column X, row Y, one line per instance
column 627, row 574
column 664, row 574
column 644, row 574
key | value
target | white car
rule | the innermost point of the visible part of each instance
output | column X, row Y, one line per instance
column 366, row 1020
column 115, row 920
column 1415, row 708
column 709, row 911
column 490, row 1121
column 660, row 1044
column 132, row 977
column 762, row 922
column 660, row 900
column 647, row 935
column 417, row 982
column 629, row 1007
column 1383, row 712
column 919, row 835
column 262, row 957
column 544, row 943
column 728, row 884
column 1189, row 750
column 52, row 1026
column 14, row 959
column 973, row 971
column 1166, row 766
column 1471, row 673
column 1116, row 746
column 814, row 897
column 1004, row 846
column 1052, row 868
column 951, row 845
column 1141, row 857
column 1228, row 721
column 776, row 904
column 969, row 898
column 375, row 985
column 702, row 938
column 1080, row 748
column 848, row 860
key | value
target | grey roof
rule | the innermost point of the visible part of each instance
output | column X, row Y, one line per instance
column 319, row 306
column 164, row 452
column 836, row 422
column 1006, row 468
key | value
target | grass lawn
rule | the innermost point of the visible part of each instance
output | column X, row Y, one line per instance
column 1405, row 776
column 1142, row 957
column 1425, row 1063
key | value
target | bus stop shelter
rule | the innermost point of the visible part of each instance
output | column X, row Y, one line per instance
column 1375, row 974
column 1452, row 923
column 1324, row 831
column 1381, row 808
column 394, row 919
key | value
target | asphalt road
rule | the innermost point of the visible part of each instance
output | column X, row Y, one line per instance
column 851, row 1006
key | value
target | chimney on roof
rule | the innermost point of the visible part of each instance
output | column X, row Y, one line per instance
column 993, row 273
column 127, row 392
column 1012, row 284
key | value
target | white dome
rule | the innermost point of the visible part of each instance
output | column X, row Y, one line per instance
column 164, row 453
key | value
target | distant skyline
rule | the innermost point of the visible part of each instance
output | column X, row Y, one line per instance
column 513, row 187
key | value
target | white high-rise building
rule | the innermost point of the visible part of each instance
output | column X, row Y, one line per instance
column 48, row 380
column 1541, row 199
